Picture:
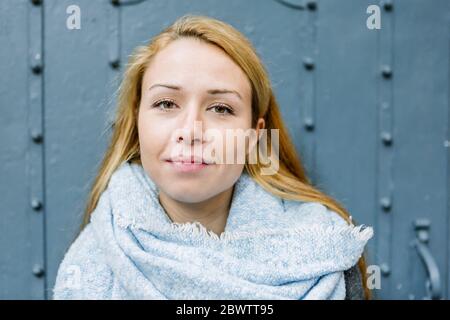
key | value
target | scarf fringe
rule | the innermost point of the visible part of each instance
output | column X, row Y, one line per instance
column 196, row 230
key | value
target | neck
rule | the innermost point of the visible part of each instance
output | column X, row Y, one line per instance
column 211, row 213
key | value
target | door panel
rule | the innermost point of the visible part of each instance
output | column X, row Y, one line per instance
column 368, row 111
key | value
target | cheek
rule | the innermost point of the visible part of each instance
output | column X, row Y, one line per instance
column 228, row 146
column 151, row 136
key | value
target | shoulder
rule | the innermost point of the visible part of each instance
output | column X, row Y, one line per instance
column 313, row 212
column 82, row 272
column 353, row 284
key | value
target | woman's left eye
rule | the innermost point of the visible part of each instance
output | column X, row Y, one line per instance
column 223, row 109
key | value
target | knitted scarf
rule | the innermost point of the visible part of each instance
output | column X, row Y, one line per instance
column 271, row 248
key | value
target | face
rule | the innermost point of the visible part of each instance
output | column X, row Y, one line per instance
column 190, row 90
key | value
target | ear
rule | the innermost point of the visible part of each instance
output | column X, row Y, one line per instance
column 261, row 124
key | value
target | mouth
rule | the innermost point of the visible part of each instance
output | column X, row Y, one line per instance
column 187, row 165
column 191, row 160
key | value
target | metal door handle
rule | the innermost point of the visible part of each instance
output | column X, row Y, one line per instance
column 433, row 283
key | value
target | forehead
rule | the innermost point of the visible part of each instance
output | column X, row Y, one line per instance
column 196, row 64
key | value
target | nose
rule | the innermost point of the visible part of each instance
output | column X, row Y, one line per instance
column 190, row 131
column 190, row 135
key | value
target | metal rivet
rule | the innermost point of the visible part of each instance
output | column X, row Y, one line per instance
column 38, row 271
column 387, row 138
column 36, row 136
column 385, row 270
column 386, row 204
column 36, row 2
column 386, row 71
column 37, row 68
column 115, row 64
column 36, row 204
column 422, row 227
column 308, row 63
column 423, row 236
column 309, row 124
column 311, row 5
column 388, row 6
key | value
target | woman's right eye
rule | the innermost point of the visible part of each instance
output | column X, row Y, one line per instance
column 164, row 105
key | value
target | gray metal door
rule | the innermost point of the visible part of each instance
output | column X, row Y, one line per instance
column 368, row 110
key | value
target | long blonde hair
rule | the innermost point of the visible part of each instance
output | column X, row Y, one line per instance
column 289, row 182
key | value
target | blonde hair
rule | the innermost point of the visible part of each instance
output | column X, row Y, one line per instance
column 289, row 182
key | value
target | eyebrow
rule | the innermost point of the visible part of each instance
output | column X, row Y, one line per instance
column 211, row 91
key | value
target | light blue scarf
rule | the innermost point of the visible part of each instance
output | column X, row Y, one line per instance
column 270, row 249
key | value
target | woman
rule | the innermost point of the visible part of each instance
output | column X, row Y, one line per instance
column 166, row 219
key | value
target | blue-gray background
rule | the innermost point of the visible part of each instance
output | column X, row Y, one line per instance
column 368, row 110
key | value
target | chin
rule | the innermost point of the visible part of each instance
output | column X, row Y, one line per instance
column 188, row 196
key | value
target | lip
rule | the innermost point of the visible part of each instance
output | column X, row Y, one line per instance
column 188, row 165
column 188, row 160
